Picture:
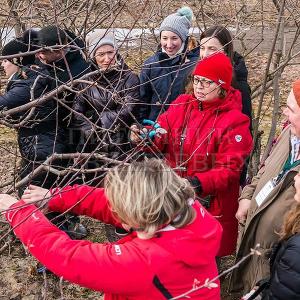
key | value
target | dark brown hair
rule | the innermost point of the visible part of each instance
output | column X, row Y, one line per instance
column 224, row 37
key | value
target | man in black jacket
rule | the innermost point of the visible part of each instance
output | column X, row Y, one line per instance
column 64, row 62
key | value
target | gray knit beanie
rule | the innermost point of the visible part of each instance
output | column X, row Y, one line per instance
column 179, row 22
column 99, row 38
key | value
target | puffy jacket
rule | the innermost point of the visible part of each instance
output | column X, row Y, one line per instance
column 284, row 282
column 209, row 141
column 163, row 79
column 39, row 137
column 109, row 104
column 18, row 88
column 166, row 265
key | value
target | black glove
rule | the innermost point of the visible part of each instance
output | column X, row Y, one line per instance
column 195, row 183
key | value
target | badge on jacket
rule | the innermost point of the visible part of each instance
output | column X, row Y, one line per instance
column 264, row 192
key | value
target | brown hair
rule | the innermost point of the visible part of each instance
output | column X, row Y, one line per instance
column 291, row 224
column 148, row 195
column 224, row 37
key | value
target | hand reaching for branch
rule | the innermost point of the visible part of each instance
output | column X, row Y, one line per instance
column 6, row 201
column 36, row 194
column 136, row 133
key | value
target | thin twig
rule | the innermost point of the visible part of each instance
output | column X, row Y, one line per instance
column 210, row 283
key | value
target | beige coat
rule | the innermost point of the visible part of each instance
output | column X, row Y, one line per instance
column 264, row 222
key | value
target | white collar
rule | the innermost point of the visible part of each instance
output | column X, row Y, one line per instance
column 11, row 76
column 176, row 54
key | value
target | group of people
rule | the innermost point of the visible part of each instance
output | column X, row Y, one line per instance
column 190, row 109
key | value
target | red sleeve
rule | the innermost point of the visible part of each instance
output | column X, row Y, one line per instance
column 234, row 148
column 168, row 119
column 102, row 267
column 83, row 200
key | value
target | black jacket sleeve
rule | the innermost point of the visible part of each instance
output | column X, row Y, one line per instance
column 195, row 183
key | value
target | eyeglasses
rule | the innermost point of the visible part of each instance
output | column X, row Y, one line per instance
column 204, row 82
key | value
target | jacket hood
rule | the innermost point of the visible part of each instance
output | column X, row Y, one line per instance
column 201, row 237
column 240, row 69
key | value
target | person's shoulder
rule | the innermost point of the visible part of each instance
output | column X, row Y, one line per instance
column 133, row 78
column 234, row 120
column 238, row 58
column 236, row 114
column 130, row 74
column 183, row 99
column 75, row 59
column 36, row 70
column 24, row 77
column 182, row 102
column 154, row 58
column 205, row 222
column 284, row 137
column 240, row 67
column 291, row 252
column 194, row 54
column 294, row 242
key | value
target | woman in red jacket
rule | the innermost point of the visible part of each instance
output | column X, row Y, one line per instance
column 205, row 138
column 171, row 247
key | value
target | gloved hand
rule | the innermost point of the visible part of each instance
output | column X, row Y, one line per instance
column 155, row 129
column 150, row 130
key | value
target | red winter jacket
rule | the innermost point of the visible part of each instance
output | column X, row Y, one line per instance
column 131, row 269
column 216, row 140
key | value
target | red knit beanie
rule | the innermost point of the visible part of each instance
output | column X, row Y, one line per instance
column 296, row 91
column 216, row 67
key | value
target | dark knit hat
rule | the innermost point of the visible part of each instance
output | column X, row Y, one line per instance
column 216, row 67
column 179, row 23
column 21, row 45
column 51, row 35
column 296, row 91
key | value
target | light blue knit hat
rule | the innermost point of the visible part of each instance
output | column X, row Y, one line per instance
column 179, row 22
